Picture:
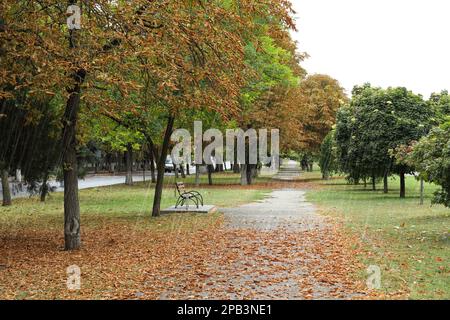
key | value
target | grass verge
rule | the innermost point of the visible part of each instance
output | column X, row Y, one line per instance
column 409, row 241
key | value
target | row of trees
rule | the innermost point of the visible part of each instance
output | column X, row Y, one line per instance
column 137, row 70
column 377, row 134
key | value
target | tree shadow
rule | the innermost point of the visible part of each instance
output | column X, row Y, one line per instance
column 307, row 180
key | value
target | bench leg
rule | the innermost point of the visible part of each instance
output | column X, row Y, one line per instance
column 179, row 200
column 195, row 201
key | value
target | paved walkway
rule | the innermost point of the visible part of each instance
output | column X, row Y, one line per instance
column 288, row 172
column 281, row 209
column 277, row 248
column 281, row 212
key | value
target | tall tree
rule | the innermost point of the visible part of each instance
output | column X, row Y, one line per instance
column 320, row 97
column 431, row 157
column 274, row 72
column 328, row 157
column 44, row 56
column 377, row 121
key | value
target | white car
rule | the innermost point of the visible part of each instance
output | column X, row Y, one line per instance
column 169, row 166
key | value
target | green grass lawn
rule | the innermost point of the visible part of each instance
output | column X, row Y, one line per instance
column 120, row 203
column 410, row 242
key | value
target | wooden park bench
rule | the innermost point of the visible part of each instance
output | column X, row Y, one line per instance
column 185, row 196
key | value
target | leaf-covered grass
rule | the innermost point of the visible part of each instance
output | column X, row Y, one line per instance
column 126, row 254
column 124, row 250
column 409, row 241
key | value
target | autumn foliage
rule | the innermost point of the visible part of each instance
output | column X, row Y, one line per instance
column 151, row 66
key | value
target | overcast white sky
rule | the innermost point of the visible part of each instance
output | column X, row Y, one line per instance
column 385, row 42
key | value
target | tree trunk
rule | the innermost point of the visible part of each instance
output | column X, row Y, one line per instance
column 246, row 172
column 19, row 175
column 249, row 174
column 422, row 189
column 188, row 169
column 175, row 169
column 244, row 175
column 254, row 171
column 143, row 169
column 374, row 183
column 109, row 163
column 210, row 171
column 183, row 175
column 44, row 187
column 129, row 165
column 161, row 164
column 117, row 164
column 385, row 184
column 152, row 165
column 236, row 167
column 197, row 175
column 6, row 188
column 402, row 185
column 72, row 236
column 274, row 165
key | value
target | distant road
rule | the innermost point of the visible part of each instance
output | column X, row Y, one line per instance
column 92, row 181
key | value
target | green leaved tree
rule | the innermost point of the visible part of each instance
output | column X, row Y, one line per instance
column 431, row 158
column 379, row 120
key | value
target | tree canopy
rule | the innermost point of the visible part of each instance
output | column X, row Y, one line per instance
column 376, row 121
column 137, row 70
column 431, row 157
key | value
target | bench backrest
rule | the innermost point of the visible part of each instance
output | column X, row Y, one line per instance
column 181, row 188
